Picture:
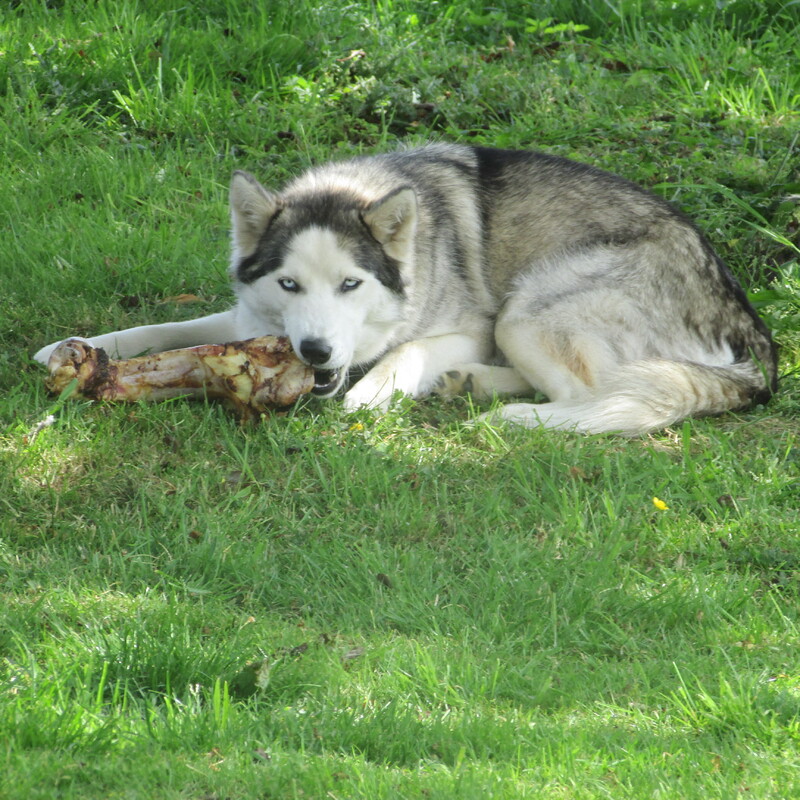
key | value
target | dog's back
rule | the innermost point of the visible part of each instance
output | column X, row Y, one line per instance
column 613, row 303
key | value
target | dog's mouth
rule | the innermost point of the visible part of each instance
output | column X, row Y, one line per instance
column 326, row 381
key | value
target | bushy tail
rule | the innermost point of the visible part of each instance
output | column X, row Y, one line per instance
column 649, row 395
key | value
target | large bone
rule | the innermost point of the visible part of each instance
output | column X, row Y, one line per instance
column 252, row 376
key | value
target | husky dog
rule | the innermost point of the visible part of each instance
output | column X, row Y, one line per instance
column 451, row 268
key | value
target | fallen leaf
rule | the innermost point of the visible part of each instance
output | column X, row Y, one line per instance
column 38, row 428
column 130, row 301
column 385, row 580
column 182, row 299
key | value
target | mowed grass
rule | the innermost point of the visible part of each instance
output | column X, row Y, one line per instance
column 330, row 605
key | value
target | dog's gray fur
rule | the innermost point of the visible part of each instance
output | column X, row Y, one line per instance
column 451, row 268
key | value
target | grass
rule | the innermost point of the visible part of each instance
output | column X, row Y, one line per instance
column 328, row 605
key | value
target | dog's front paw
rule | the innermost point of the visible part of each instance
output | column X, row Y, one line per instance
column 453, row 383
column 364, row 396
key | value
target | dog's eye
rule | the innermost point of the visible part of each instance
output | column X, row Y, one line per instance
column 288, row 285
column 349, row 284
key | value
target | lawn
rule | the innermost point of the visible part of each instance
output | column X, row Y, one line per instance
column 321, row 604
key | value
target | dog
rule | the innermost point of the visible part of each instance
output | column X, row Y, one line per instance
column 453, row 269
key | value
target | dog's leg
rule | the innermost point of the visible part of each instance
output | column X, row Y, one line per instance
column 413, row 369
column 563, row 364
column 482, row 381
column 566, row 344
column 574, row 371
column 213, row 329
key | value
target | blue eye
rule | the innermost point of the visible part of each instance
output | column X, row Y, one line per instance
column 288, row 285
column 349, row 284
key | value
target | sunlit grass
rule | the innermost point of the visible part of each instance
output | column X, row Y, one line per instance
column 324, row 604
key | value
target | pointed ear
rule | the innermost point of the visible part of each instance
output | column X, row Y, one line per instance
column 392, row 220
column 252, row 207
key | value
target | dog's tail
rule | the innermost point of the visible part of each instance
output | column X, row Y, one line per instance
column 649, row 395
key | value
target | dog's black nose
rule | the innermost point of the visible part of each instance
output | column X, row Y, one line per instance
column 315, row 351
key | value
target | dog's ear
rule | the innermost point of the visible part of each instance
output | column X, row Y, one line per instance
column 392, row 220
column 252, row 207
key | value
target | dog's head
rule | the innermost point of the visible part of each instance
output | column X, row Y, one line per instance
column 324, row 266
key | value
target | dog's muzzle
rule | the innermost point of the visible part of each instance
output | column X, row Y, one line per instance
column 316, row 352
column 326, row 382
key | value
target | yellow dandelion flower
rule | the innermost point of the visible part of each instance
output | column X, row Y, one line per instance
column 356, row 426
column 660, row 504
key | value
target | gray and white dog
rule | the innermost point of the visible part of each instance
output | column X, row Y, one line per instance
column 451, row 268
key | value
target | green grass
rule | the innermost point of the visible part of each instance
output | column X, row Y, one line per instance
column 328, row 605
